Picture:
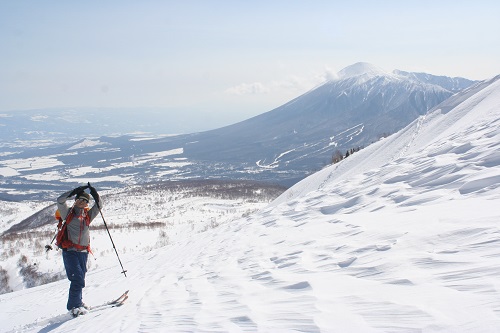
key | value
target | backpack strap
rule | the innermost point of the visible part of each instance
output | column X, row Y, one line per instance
column 62, row 240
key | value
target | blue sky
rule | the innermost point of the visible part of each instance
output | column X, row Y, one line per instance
column 227, row 59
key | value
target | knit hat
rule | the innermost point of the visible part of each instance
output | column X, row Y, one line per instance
column 84, row 196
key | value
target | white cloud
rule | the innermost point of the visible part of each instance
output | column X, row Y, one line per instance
column 292, row 84
column 248, row 89
column 329, row 74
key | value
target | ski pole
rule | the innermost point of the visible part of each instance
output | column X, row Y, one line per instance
column 114, row 247
column 48, row 247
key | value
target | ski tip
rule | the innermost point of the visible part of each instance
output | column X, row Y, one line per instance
column 123, row 300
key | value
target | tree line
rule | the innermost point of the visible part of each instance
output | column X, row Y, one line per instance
column 338, row 156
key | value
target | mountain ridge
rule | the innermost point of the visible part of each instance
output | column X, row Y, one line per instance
column 279, row 146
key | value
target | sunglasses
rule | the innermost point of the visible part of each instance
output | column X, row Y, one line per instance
column 82, row 199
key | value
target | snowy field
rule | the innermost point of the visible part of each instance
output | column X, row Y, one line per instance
column 140, row 219
column 402, row 236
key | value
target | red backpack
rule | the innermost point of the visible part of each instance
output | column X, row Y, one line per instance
column 62, row 240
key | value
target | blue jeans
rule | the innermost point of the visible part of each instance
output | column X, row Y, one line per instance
column 75, row 263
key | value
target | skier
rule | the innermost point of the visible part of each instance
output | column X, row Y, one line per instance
column 74, row 239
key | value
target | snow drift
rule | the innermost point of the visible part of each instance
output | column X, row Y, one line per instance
column 402, row 236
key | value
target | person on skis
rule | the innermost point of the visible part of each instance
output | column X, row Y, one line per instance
column 74, row 240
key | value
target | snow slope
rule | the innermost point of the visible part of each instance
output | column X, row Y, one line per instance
column 400, row 237
column 141, row 218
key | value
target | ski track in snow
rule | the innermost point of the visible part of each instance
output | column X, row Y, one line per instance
column 407, row 241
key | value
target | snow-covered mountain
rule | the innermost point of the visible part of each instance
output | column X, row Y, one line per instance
column 359, row 107
column 400, row 237
column 282, row 146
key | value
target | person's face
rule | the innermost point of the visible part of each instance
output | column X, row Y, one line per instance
column 81, row 203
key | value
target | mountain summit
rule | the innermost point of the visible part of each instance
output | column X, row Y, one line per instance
column 281, row 146
column 360, row 68
column 363, row 105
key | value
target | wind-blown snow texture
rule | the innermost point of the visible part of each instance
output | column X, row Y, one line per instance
column 400, row 237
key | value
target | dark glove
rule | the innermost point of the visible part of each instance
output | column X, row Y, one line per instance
column 94, row 194
column 78, row 190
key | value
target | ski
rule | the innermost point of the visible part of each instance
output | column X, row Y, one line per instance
column 48, row 324
column 107, row 306
column 111, row 304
